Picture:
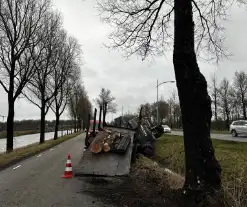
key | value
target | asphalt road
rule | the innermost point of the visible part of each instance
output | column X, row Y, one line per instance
column 37, row 181
column 227, row 137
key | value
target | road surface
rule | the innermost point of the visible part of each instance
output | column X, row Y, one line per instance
column 227, row 137
column 25, row 140
column 37, row 181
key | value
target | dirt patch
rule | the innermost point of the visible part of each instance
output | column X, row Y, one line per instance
column 125, row 192
column 148, row 185
column 145, row 187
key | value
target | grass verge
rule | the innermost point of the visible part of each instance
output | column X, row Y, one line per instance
column 231, row 155
column 7, row 159
column 220, row 132
column 18, row 133
column 212, row 131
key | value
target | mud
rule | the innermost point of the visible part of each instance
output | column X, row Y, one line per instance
column 126, row 192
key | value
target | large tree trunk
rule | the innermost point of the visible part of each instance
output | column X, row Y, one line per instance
column 56, row 125
column 202, row 168
column 42, row 123
column 10, row 122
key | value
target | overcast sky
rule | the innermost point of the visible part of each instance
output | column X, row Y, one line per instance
column 132, row 82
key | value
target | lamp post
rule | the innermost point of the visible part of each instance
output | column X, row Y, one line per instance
column 157, row 86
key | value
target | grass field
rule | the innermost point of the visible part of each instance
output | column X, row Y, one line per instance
column 30, row 150
column 212, row 131
column 231, row 155
column 18, row 133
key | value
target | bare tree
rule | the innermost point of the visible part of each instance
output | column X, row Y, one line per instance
column 226, row 94
column 41, row 84
column 146, row 110
column 214, row 92
column 163, row 109
column 73, row 103
column 106, row 100
column 145, row 27
column 79, row 106
column 20, row 20
column 240, row 85
column 84, row 108
column 64, row 75
column 174, row 112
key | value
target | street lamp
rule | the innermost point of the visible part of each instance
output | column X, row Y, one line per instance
column 157, row 86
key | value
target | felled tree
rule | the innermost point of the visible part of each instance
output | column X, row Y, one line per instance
column 146, row 28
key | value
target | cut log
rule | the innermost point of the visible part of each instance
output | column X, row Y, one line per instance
column 106, row 147
column 121, row 144
column 97, row 143
column 110, row 142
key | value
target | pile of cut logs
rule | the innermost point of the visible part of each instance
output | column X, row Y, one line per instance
column 113, row 141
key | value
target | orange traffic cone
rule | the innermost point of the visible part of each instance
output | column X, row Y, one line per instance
column 68, row 169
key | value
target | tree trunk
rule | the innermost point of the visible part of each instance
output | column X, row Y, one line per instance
column 74, row 125
column 202, row 168
column 244, row 107
column 227, row 121
column 56, row 125
column 79, row 125
column 42, row 123
column 100, row 112
column 104, row 113
column 215, row 107
column 10, row 122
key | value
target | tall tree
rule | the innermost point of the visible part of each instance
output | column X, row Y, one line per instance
column 227, row 100
column 20, row 21
column 79, row 106
column 144, row 27
column 41, row 84
column 240, row 85
column 162, row 110
column 84, row 108
column 106, row 100
column 146, row 110
column 214, row 92
column 64, row 75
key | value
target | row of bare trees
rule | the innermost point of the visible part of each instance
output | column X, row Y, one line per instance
column 37, row 60
column 79, row 106
column 229, row 100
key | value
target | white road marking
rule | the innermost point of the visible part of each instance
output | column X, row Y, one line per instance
column 39, row 155
column 51, row 149
column 16, row 167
